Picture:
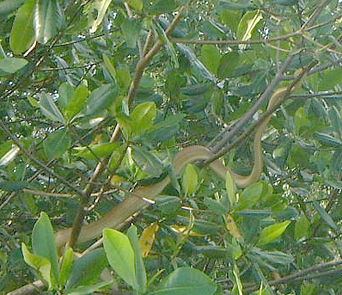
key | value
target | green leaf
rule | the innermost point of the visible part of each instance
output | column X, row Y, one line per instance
column 7, row 6
column 336, row 121
column 49, row 108
column 12, row 64
column 197, row 65
column 65, row 94
column 100, row 99
column 101, row 8
column 22, row 34
column 148, row 162
column 186, row 281
column 325, row 216
column 234, row 6
column 228, row 64
column 136, row 4
column 162, row 6
column 131, row 30
column 92, row 289
column 43, row 243
column 231, row 188
column 247, row 25
column 274, row 257
column 13, row 186
column 210, row 56
column 190, row 179
column 66, row 266
column 45, row 20
column 250, row 196
column 41, row 264
column 109, row 66
column 56, row 144
column 272, row 232
column 9, row 156
column 78, row 101
column 301, row 119
column 98, row 151
column 327, row 140
column 120, row 255
column 143, row 116
column 330, row 79
column 215, row 206
column 302, row 228
column 87, row 269
column 139, row 264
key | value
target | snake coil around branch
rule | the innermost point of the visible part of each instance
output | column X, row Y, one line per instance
column 130, row 206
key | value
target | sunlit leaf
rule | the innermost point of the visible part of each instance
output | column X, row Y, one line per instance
column 190, row 179
column 272, row 232
column 22, row 34
column 120, row 255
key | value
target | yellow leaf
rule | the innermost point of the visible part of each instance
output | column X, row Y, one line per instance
column 232, row 227
column 147, row 238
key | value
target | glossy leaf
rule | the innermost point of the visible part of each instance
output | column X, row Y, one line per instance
column 41, row 264
column 56, row 144
column 100, row 99
column 190, row 179
column 7, row 6
column 186, row 281
column 148, row 162
column 131, row 29
column 143, row 116
column 77, row 102
column 247, row 25
column 210, row 56
column 138, row 255
column 272, row 232
column 87, row 269
column 120, row 255
column 49, row 108
column 12, row 64
column 43, row 243
column 147, row 238
column 101, row 8
column 328, row 140
column 231, row 188
column 65, row 94
column 45, row 20
column 250, row 196
column 302, row 228
column 325, row 216
column 96, row 151
column 22, row 34
column 66, row 266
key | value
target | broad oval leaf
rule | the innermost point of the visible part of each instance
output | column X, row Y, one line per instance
column 45, row 20
column 302, row 228
column 272, row 232
column 250, row 196
column 49, row 108
column 100, row 99
column 186, row 281
column 210, row 56
column 12, row 64
column 231, row 188
column 56, row 144
column 87, row 269
column 143, row 116
column 147, row 238
column 120, row 255
column 39, row 263
column 7, row 6
column 247, row 26
column 190, row 179
column 77, row 102
column 140, row 270
column 22, row 34
column 96, row 151
column 43, row 243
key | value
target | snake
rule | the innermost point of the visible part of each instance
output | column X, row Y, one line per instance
column 136, row 202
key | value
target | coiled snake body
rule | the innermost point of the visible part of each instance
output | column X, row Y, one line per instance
column 135, row 202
